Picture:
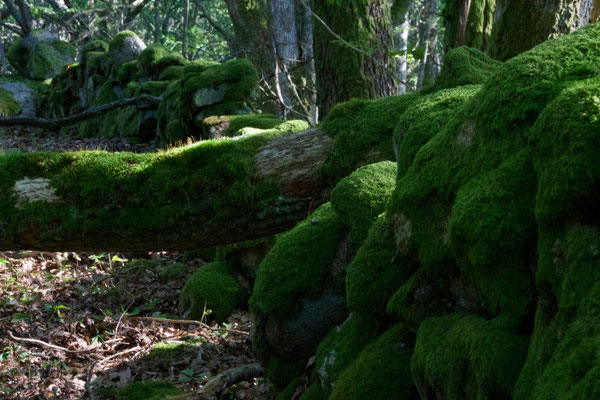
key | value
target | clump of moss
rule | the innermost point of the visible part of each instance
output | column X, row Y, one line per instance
column 171, row 73
column 17, row 55
column 148, row 56
column 297, row 264
column 376, row 271
column 314, row 392
column 230, row 125
column 206, row 90
column 215, row 287
column 163, row 355
column 46, row 60
column 342, row 345
column 289, row 391
column 169, row 60
column 425, row 118
column 382, row 370
column 362, row 132
column 152, row 390
column 464, row 66
column 118, row 41
column 95, row 45
column 281, row 373
column 173, row 271
column 361, row 197
column 465, row 356
column 9, row 107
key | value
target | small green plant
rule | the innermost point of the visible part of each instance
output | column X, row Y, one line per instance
column 56, row 310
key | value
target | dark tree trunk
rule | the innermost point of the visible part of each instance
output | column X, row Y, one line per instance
column 468, row 23
column 519, row 25
column 342, row 72
column 432, row 58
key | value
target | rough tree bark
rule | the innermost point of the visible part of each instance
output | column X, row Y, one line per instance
column 468, row 23
column 62, row 201
column 432, row 58
column 342, row 72
column 519, row 25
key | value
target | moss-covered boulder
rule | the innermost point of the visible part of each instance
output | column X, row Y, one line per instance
column 124, row 47
column 9, row 107
column 464, row 66
column 342, row 345
column 298, row 293
column 361, row 197
column 381, row 371
column 205, row 90
column 40, row 55
column 213, row 287
column 20, row 96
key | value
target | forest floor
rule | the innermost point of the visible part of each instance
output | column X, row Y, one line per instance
column 80, row 325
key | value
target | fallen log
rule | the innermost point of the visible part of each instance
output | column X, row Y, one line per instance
column 142, row 102
column 201, row 195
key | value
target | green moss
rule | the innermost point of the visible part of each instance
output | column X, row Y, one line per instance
column 152, row 390
column 45, row 61
column 282, row 373
column 127, row 72
column 95, row 45
column 376, row 271
column 478, row 24
column 154, row 88
column 290, row 390
column 297, row 264
column 361, row 131
column 465, row 356
column 563, row 361
column 17, row 55
column 65, row 48
column 361, row 197
column 230, row 125
column 170, row 60
column 97, row 63
column 173, row 271
column 417, row 299
column 228, row 86
column 118, row 41
column 214, row 286
column 94, row 127
column 166, row 354
column 424, row 118
column 381, row 371
column 465, row 66
column 171, row 73
column 9, row 107
column 342, row 345
column 314, row 392
column 148, row 56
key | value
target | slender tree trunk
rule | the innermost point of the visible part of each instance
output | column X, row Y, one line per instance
column 185, row 29
column 401, row 22
column 519, row 25
column 432, row 63
column 3, row 59
column 342, row 72
column 468, row 23
column 156, row 30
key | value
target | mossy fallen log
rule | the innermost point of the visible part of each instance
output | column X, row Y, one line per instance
column 201, row 195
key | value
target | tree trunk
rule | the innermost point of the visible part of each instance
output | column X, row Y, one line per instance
column 468, row 23
column 342, row 72
column 401, row 24
column 519, row 25
column 198, row 196
column 432, row 60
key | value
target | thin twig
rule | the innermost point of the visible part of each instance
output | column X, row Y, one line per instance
column 121, row 318
column 119, row 354
column 187, row 322
column 53, row 346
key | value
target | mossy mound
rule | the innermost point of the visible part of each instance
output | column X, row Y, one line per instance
column 212, row 287
column 342, row 345
column 152, row 390
column 381, row 371
column 9, row 107
column 464, row 66
column 297, row 265
column 230, row 125
column 281, row 373
column 361, row 197
column 40, row 56
column 314, row 392
column 173, row 271
column 376, row 271
column 290, row 390
column 361, row 129
column 465, row 356
column 204, row 90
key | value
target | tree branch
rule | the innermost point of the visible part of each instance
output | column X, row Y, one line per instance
column 142, row 102
column 206, row 15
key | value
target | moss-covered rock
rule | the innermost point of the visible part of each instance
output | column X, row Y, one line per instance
column 314, row 392
column 230, row 125
column 381, row 371
column 296, row 386
column 171, row 73
column 205, row 90
column 342, row 345
column 281, row 373
column 464, row 66
column 173, row 271
column 376, row 271
column 9, row 107
column 361, row 197
column 464, row 356
column 212, row 287
column 362, row 132
column 125, row 47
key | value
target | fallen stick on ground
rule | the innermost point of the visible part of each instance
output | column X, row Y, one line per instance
column 188, row 322
column 53, row 346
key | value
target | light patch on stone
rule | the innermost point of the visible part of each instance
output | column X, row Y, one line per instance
column 38, row 189
column 403, row 232
column 465, row 136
